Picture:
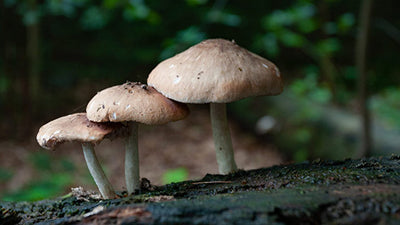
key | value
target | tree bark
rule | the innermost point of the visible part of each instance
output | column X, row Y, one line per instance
column 360, row 58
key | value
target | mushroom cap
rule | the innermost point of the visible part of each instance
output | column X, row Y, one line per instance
column 134, row 101
column 75, row 127
column 215, row 70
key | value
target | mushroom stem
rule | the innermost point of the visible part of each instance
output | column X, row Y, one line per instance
column 97, row 172
column 222, row 138
column 132, row 159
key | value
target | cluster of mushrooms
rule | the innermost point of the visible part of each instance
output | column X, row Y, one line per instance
column 215, row 71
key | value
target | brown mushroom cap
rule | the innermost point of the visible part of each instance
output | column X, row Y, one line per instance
column 134, row 101
column 74, row 127
column 215, row 70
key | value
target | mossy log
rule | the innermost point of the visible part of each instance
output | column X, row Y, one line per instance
column 365, row 191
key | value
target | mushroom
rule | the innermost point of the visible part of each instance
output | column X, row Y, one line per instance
column 134, row 102
column 216, row 71
column 77, row 128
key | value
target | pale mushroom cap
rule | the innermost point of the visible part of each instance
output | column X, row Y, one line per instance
column 133, row 101
column 215, row 70
column 74, row 127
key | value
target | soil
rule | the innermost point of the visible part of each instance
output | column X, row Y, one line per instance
column 363, row 191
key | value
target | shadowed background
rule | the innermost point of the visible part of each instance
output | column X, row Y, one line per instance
column 57, row 54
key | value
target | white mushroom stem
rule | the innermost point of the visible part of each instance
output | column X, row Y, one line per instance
column 132, row 178
column 97, row 172
column 222, row 138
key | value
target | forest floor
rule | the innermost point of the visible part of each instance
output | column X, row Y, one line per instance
column 364, row 191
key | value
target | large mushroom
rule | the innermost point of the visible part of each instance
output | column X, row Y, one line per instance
column 134, row 103
column 216, row 71
column 77, row 128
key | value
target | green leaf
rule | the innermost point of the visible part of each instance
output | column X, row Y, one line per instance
column 94, row 18
column 299, row 87
column 138, row 12
column 328, row 46
column 303, row 11
column 175, row 175
column 111, row 4
column 154, row 18
column 291, row 39
column 346, row 22
column 270, row 44
column 41, row 189
column 277, row 20
column 183, row 39
column 229, row 19
column 65, row 8
column 321, row 95
column 196, row 2
column 307, row 25
column 136, row 9
column 300, row 155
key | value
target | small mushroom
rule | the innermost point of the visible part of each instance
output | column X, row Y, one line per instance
column 134, row 103
column 77, row 128
column 216, row 71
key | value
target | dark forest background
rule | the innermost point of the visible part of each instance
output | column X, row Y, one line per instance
column 340, row 61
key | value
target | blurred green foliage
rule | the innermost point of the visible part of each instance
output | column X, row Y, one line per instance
column 386, row 106
column 174, row 175
column 45, row 187
column 5, row 175
column 124, row 40
column 51, row 179
column 309, row 88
